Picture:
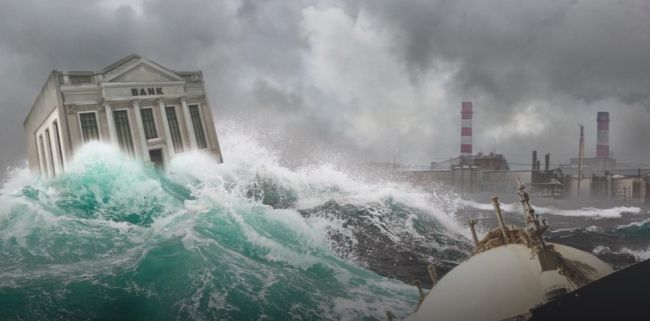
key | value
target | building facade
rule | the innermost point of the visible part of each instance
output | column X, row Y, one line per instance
column 148, row 111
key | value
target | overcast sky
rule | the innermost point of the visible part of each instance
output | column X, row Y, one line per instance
column 376, row 78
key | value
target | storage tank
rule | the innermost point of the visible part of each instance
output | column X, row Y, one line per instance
column 513, row 270
column 622, row 187
column 571, row 187
column 502, row 284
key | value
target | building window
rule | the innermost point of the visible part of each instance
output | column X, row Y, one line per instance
column 49, row 151
column 123, row 131
column 198, row 126
column 89, row 128
column 57, row 140
column 148, row 123
column 173, row 128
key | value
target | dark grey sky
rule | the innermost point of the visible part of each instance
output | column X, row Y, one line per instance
column 369, row 77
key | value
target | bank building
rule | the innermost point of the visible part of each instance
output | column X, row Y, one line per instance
column 150, row 112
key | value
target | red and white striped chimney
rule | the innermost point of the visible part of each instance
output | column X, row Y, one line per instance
column 466, row 129
column 602, row 136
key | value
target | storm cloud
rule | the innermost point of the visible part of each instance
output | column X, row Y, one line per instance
column 371, row 79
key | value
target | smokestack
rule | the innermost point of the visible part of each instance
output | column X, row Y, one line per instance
column 602, row 136
column 466, row 129
column 581, row 156
column 534, row 160
column 547, row 161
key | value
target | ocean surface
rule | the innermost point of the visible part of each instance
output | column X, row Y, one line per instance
column 245, row 240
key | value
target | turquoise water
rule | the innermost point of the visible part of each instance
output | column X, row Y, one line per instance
column 114, row 240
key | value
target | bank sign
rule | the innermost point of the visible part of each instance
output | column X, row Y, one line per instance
column 146, row 91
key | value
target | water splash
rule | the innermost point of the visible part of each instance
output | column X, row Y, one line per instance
column 244, row 240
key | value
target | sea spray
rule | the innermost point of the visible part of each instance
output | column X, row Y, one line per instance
column 113, row 239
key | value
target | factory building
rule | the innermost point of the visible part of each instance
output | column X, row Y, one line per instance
column 150, row 112
column 589, row 178
column 470, row 173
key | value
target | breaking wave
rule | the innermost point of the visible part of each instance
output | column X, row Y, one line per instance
column 112, row 239
column 639, row 254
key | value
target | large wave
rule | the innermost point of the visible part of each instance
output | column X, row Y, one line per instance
column 112, row 239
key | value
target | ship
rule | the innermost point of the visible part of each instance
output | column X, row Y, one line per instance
column 513, row 274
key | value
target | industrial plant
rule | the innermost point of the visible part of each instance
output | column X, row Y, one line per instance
column 580, row 178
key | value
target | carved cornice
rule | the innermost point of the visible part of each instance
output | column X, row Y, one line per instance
column 70, row 109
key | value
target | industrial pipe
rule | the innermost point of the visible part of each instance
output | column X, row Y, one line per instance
column 432, row 275
column 497, row 209
column 471, row 223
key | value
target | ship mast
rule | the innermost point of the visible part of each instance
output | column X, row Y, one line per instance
column 534, row 226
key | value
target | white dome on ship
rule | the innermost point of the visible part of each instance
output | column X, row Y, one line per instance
column 503, row 283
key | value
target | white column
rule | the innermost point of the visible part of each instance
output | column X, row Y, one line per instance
column 144, row 150
column 42, row 162
column 168, row 134
column 48, row 160
column 55, row 151
column 112, row 132
column 188, row 123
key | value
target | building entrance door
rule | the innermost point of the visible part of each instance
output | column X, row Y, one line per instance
column 156, row 157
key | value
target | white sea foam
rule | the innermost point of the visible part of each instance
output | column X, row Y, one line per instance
column 639, row 254
column 634, row 224
column 613, row 212
column 247, row 160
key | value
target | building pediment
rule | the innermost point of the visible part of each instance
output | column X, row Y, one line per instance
column 144, row 73
column 137, row 69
